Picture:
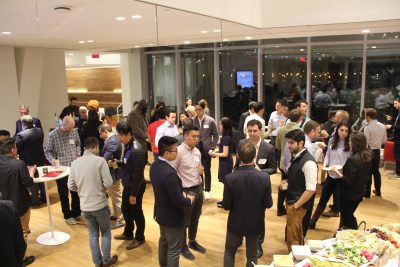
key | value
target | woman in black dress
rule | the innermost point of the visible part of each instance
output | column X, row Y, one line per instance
column 225, row 150
column 356, row 172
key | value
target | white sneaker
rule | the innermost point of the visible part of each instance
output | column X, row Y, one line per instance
column 207, row 195
column 71, row 221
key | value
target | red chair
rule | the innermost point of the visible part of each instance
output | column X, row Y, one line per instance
column 388, row 152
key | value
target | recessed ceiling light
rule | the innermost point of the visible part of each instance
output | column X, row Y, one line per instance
column 301, row 49
column 277, row 46
column 365, row 31
column 137, row 16
column 216, row 30
column 373, row 47
column 225, row 40
column 137, row 46
column 186, row 42
column 248, row 37
column 6, row 33
column 120, row 18
column 151, row 44
column 204, row 31
column 81, row 42
column 90, row 41
column 70, row 54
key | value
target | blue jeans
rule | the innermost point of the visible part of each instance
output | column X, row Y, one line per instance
column 96, row 220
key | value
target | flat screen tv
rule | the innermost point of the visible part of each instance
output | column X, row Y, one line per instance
column 245, row 78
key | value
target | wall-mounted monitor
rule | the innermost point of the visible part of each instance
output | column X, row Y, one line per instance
column 245, row 78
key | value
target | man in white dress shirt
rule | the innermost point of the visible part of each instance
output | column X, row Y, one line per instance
column 276, row 120
column 168, row 128
column 257, row 115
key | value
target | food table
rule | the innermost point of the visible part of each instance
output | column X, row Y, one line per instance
column 47, row 174
column 379, row 246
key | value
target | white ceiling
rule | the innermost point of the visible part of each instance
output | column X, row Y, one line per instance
column 35, row 23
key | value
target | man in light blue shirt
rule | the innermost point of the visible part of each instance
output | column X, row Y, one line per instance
column 168, row 128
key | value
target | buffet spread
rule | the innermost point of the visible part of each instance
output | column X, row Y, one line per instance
column 379, row 246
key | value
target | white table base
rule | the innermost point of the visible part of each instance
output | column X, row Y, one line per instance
column 53, row 238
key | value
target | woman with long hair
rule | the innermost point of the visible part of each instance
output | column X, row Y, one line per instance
column 225, row 149
column 91, row 127
column 356, row 172
column 337, row 154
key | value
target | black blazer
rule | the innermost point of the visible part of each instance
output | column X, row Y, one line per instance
column 355, row 176
column 12, row 243
column 247, row 193
column 169, row 201
column 243, row 117
column 266, row 159
column 18, row 125
column 30, row 146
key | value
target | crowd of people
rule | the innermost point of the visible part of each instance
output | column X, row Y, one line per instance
column 104, row 152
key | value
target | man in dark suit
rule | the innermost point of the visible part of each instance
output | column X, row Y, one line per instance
column 243, row 117
column 30, row 149
column 12, row 243
column 24, row 110
column 395, row 128
column 111, row 152
column 169, row 202
column 265, row 160
column 247, row 193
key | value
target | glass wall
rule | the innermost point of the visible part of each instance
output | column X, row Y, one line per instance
column 336, row 80
column 238, row 81
column 162, row 78
column 198, row 77
column 383, row 78
column 285, row 75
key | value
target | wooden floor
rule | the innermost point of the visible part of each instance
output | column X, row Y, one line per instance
column 211, row 232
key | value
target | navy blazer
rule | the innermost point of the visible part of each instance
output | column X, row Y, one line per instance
column 18, row 125
column 29, row 144
column 247, row 193
column 169, row 201
column 112, row 149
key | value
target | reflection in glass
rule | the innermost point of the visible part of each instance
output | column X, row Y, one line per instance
column 198, row 77
column 336, row 70
column 162, row 79
column 383, row 78
column 235, row 97
column 284, row 76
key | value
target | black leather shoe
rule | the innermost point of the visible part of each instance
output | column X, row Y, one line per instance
column 196, row 246
column 28, row 260
column 259, row 251
column 219, row 205
column 378, row 194
column 185, row 252
column 281, row 212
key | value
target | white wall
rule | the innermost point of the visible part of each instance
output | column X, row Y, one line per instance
column 35, row 77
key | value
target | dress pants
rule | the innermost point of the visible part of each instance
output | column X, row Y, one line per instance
column 169, row 245
column 206, row 162
column 75, row 209
column 375, row 172
column 37, row 193
column 133, row 214
column 307, row 217
column 294, row 229
column 331, row 187
column 193, row 212
column 233, row 242
column 116, row 198
column 25, row 218
column 281, row 194
column 347, row 210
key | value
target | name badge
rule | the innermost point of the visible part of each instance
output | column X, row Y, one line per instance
column 125, row 160
column 262, row 161
column 71, row 141
column 206, row 126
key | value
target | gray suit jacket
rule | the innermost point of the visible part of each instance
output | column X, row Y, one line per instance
column 265, row 160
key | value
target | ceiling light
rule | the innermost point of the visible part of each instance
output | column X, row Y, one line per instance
column 203, row 31
column 80, row 90
column 6, row 33
column 70, row 54
column 301, row 49
column 90, row 41
column 120, row 18
column 81, row 42
column 151, row 44
column 137, row 16
column 217, row 30
column 277, row 46
column 119, row 90
column 137, row 46
column 248, row 38
column 365, row 31
column 225, row 40
column 186, row 42
column 373, row 47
